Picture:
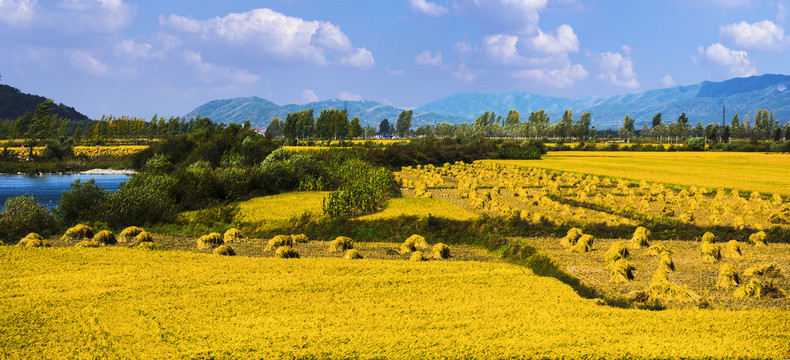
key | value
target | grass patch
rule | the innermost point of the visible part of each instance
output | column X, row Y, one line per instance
column 422, row 207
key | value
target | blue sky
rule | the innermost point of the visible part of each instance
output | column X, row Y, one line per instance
column 168, row 57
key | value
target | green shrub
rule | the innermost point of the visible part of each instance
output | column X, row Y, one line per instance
column 80, row 202
column 22, row 215
column 363, row 189
column 143, row 199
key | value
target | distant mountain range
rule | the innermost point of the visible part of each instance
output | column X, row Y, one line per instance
column 14, row 103
column 702, row 103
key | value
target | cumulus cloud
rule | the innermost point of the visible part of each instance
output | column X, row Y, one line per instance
column 273, row 33
column 362, row 58
column 763, row 35
column 428, row 8
column 84, row 61
column 503, row 16
column 17, row 12
column 616, row 69
column 732, row 62
column 501, row 48
column 348, row 96
column 426, row 58
column 563, row 41
column 558, row 77
column 668, row 81
column 103, row 16
column 211, row 73
column 130, row 48
column 308, row 95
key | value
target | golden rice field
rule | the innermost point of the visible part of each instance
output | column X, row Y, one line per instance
column 763, row 172
column 115, row 302
column 90, row 151
column 422, row 207
column 281, row 206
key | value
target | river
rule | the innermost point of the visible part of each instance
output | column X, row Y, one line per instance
column 47, row 188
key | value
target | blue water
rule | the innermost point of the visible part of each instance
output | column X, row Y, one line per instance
column 47, row 188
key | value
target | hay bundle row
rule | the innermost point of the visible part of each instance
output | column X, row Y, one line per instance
column 710, row 253
column 129, row 234
column 764, row 270
column 352, row 254
column 286, row 252
column 233, row 235
column 728, row 276
column 33, row 240
column 225, row 250
column 640, row 238
column 758, row 239
column 341, row 243
column 663, row 290
column 584, row 244
column 571, row 237
column 78, row 232
column 278, row 241
column 618, row 251
column 209, row 241
column 657, row 249
column 413, row 243
column 621, row 271
column 733, row 250
column 758, row 289
column 665, row 261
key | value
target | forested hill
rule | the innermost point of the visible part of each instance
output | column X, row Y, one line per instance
column 701, row 102
column 14, row 103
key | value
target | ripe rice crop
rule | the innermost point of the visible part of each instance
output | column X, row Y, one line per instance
column 222, row 307
column 421, row 207
column 753, row 171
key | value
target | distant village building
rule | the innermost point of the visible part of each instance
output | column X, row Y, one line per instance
column 260, row 130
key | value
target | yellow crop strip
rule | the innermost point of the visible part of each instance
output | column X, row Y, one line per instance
column 422, row 207
column 767, row 173
column 282, row 206
column 90, row 151
column 130, row 303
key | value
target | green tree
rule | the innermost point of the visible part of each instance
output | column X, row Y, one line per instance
column 355, row 129
column 384, row 127
column 39, row 125
column 404, row 123
column 725, row 134
column 538, row 123
column 274, row 127
column 513, row 118
column 656, row 120
column 627, row 130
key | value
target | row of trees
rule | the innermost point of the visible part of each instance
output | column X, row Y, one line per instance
column 765, row 127
column 43, row 124
column 333, row 124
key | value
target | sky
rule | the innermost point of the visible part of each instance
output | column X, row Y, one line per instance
column 140, row 58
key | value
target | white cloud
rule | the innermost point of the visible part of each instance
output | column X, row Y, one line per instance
column 734, row 63
column 17, row 12
column 563, row 41
column 426, row 58
column 308, row 95
column 462, row 48
column 616, row 69
column 348, row 96
column 103, row 16
column 503, row 16
column 286, row 37
column 130, row 48
column 760, row 35
column 502, row 49
column 362, row 58
column 84, row 61
column 395, row 72
column 559, row 77
column 668, row 81
column 428, row 8
column 463, row 73
column 209, row 72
